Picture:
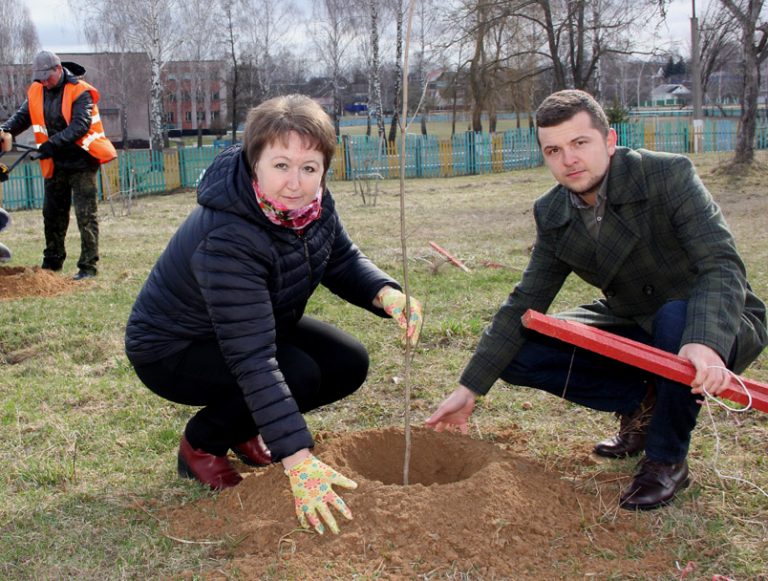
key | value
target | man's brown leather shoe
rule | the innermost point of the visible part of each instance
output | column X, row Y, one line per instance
column 654, row 485
column 630, row 440
column 215, row 471
column 253, row 452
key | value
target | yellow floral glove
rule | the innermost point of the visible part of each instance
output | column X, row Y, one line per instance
column 393, row 303
column 311, row 482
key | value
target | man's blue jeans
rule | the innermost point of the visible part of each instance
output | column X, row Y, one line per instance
column 604, row 384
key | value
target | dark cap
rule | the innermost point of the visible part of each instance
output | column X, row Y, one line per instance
column 45, row 62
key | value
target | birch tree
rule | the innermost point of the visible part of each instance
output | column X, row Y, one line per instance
column 753, row 25
column 375, row 106
column 145, row 25
column 397, row 90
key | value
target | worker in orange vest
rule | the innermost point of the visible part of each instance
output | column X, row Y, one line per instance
column 62, row 110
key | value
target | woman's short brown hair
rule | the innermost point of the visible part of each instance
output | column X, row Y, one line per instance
column 563, row 105
column 273, row 120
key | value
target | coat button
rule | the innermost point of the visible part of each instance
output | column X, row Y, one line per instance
column 648, row 290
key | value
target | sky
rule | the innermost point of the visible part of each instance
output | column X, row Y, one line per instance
column 59, row 32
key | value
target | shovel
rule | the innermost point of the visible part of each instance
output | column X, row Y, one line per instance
column 27, row 150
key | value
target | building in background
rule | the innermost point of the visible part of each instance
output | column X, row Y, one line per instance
column 194, row 96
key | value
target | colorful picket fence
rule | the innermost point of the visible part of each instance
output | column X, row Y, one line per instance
column 143, row 172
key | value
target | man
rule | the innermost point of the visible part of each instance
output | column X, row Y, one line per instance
column 642, row 228
column 62, row 111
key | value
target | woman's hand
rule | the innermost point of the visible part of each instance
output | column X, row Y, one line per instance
column 454, row 411
column 311, row 484
column 393, row 303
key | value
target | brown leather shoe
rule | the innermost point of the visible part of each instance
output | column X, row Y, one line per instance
column 630, row 440
column 253, row 452
column 215, row 471
column 655, row 485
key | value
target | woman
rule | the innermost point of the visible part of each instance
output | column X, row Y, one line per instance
column 219, row 322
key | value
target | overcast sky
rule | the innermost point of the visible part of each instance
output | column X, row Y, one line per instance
column 57, row 30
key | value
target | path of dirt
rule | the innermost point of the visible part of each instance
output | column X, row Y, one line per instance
column 24, row 281
column 472, row 507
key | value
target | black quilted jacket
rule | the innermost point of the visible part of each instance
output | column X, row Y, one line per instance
column 231, row 274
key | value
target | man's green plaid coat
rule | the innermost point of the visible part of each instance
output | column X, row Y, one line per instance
column 662, row 238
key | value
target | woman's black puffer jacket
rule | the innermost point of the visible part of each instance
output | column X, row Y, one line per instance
column 229, row 273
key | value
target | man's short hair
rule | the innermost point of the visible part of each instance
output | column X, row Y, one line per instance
column 561, row 106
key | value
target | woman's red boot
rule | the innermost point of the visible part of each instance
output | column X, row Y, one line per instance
column 215, row 471
column 253, row 452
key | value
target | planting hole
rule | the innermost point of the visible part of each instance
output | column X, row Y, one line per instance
column 434, row 459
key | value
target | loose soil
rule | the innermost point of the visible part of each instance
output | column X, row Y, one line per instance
column 473, row 510
column 23, row 281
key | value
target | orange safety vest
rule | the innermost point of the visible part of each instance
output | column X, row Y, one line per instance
column 95, row 142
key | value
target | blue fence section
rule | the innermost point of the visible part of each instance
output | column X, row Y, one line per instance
column 141, row 172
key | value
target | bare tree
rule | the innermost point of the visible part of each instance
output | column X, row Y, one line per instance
column 146, row 25
column 267, row 25
column 718, row 42
column 18, row 35
column 333, row 31
column 18, row 45
column 375, row 107
column 581, row 32
column 231, row 41
column 200, row 22
column 753, row 26
column 398, row 6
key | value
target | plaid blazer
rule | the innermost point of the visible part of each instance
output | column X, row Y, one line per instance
column 662, row 238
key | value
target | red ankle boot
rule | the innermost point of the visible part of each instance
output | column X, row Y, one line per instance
column 253, row 452
column 215, row 471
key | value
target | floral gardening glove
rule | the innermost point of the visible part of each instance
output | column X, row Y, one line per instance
column 311, row 482
column 393, row 303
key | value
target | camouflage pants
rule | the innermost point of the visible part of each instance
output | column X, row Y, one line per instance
column 60, row 191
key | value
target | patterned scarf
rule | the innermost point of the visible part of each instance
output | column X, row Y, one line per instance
column 296, row 219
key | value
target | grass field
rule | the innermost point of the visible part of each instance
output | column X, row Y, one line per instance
column 88, row 453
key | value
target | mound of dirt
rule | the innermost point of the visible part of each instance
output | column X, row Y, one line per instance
column 23, row 281
column 471, row 507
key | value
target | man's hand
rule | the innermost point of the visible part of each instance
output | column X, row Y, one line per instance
column 6, row 141
column 710, row 369
column 45, row 150
column 454, row 411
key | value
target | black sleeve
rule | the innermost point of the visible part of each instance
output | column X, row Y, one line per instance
column 79, row 124
column 19, row 122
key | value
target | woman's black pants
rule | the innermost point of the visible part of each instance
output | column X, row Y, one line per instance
column 321, row 364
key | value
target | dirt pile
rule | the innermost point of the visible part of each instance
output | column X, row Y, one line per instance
column 472, row 507
column 23, row 281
